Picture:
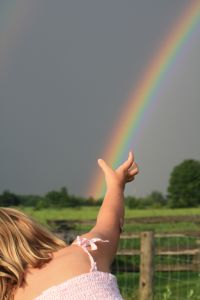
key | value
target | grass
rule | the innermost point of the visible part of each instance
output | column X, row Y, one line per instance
column 91, row 212
column 180, row 285
column 79, row 213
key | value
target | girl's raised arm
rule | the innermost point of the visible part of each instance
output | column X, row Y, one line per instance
column 111, row 214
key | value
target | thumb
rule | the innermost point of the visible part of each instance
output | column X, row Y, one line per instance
column 103, row 165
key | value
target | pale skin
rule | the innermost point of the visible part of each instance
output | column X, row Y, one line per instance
column 72, row 261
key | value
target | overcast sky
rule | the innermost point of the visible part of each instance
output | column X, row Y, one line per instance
column 66, row 69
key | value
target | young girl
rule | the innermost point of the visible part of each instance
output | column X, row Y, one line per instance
column 36, row 265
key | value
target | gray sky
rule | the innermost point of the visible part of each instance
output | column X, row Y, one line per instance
column 66, row 69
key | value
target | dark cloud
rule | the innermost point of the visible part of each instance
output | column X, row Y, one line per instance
column 65, row 81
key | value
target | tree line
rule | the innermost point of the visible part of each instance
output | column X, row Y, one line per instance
column 183, row 191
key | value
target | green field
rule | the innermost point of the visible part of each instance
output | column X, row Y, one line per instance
column 86, row 213
column 90, row 212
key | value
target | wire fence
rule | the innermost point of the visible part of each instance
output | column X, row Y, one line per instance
column 166, row 267
column 175, row 266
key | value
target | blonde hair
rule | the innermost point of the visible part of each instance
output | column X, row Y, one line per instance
column 23, row 243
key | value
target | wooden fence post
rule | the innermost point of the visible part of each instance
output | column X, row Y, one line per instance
column 146, row 265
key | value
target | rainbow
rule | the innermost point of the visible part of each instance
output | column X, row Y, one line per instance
column 121, row 139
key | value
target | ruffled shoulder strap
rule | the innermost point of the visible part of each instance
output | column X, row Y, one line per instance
column 83, row 243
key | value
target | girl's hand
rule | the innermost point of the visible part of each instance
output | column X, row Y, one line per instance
column 123, row 174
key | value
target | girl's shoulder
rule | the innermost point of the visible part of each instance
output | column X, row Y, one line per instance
column 66, row 263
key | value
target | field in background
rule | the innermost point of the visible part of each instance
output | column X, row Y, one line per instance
column 90, row 212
